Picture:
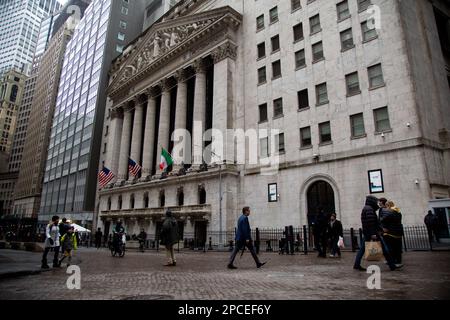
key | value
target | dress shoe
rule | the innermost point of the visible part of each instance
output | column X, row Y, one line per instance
column 174, row 264
column 261, row 264
column 230, row 266
column 168, row 265
column 359, row 268
column 45, row 266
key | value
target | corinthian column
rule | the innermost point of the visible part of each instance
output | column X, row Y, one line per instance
column 136, row 141
column 199, row 112
column 164, row 121
column 115, row 134
column 149, row 135
column 180, row 144
column 125, row 146
column 223, row 100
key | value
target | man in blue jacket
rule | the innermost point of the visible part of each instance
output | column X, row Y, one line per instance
column 244, row 239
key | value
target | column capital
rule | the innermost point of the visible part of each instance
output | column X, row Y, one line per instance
column 227, row 50
column 116, row 113
column 165, row 85
column 181, row 75
column 138, row 100
column 199, row 66
column 151, row 92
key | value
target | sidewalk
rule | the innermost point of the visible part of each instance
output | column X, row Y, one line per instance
column 15, row 263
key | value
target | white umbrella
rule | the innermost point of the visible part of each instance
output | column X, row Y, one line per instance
column 79, row 228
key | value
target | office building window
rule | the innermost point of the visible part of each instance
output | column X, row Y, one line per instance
column 375, row 76
column 278, row 107
column 276, row 69
column 260, row 22
column 317, row 50
column 303, row 100
column 343, row 10
column 274, row 15
column 305, row 137
column 314, row 24
column 321, row 94
column 300, row 60
column 275, row 41
column 347, row 39
column 263, row 112
column 352, row 84
column 325, row 132
column 262, row 78
column 261, row 50
column 264, row 147
column 357, row 125
column 279, row 143
column 368, row 30
column 298, row 32
column 381, row 117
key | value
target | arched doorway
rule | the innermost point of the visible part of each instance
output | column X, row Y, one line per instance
column 320, row 195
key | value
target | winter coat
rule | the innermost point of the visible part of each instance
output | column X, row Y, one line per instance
column 321, row 224
column 169, row 232
column 52, row 232
column 69, row 241
column 243, row 231
column 369, row 218
column 63, row 228
column 392, row 223
column 335, row 230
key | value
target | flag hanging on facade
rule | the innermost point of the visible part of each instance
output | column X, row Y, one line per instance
column 166, row 159
column 133, row 167
column 104, row 177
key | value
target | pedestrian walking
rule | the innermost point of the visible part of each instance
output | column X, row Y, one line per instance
column 51, row 242
column 371, row 230
column 429, row 224
column 63, row 227
column 68, row 243
column 98, row 238
column 169, row 237
column 244, row 239
column 320, row 233
column 334, row 232
column 393, row 232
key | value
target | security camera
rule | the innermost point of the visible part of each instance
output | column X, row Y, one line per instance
column 315, row 156
column 408, row 125
column 382, row 135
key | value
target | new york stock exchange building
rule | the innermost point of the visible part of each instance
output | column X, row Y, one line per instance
column 324, row 124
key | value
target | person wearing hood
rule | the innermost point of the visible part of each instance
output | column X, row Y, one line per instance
column 371, row 231
column 169, row 237
column 393, row 232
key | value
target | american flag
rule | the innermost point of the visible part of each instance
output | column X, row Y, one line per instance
column 104, row 177
column 133, row 167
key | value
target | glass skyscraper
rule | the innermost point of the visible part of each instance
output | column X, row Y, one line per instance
column 72, row 161
column 20, row 22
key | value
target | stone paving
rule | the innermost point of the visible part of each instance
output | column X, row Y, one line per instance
column 203, row 276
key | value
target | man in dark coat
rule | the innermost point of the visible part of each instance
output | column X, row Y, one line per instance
column 320, row 233
column 371, row 231
column 98, row 238
column 169, row 237
column 244, row 239
column 429, row 219
column 335, row 231
column 63, row 227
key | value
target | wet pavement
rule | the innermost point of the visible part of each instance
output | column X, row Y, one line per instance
column 204, row 276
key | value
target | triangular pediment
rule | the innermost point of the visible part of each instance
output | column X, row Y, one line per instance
column 163, row 38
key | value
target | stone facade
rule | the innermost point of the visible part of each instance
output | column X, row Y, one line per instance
column 151, row 95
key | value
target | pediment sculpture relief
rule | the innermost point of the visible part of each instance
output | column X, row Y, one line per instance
column 158, row 44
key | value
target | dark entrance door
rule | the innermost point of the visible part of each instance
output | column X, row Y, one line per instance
column 320, row 195
column 200, row 234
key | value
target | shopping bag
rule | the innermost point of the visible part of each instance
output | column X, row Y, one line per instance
column 374, row 251
column 340, row 243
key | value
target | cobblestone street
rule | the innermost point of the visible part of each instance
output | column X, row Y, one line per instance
column 203, row 276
